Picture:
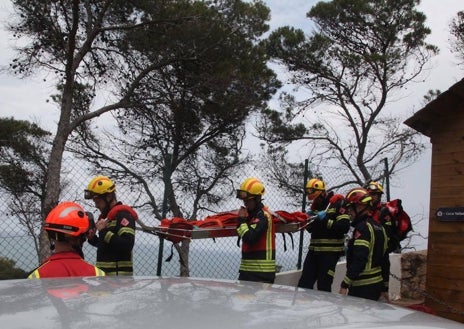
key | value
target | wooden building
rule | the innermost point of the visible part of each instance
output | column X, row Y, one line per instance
column 442, row 120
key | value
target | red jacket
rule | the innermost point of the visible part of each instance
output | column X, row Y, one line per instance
column 65, row 264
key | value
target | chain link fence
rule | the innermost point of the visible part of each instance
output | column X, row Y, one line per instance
column 212, row 258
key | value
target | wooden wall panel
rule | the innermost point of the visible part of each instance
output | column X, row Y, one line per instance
column 438, row 228
column 445, row 254
column 443, row 121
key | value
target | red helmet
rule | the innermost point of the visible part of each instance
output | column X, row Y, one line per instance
column 67, row 218
column 358, row 195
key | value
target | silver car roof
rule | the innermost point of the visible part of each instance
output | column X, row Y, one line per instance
column 189, row 303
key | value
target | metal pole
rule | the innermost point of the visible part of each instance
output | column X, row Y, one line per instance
column 387, row 179
column 164, row 210
column 303, row 208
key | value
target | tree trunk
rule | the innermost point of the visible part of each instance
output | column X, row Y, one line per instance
column 184, row 258
column 53, row 179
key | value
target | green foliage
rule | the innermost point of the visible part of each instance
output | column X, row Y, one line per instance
column 8, row 270
column 361, row 52
column 431, row 96
column 24, row 150
column 457, row 33
column 193, row 110
column 23, row 155
column 17, row 134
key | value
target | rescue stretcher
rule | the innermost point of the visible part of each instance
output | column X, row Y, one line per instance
column 222, row 225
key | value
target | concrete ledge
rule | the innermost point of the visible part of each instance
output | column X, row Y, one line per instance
column 291, row 278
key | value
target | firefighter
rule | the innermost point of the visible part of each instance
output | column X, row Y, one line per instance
column 383, row 214
column 367, row 249
column 66, row 227
column 327, row 236
column 115, row 227
column 375, row 190
column 257, row 232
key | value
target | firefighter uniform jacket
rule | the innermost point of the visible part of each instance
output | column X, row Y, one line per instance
column 65, row 264
column 115, row 242
column 328, row 235
column 366, row 256
column 257, row 233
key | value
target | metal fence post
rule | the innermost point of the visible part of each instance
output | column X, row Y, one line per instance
column 303, row 208
column 164, row 210
column 387, row 179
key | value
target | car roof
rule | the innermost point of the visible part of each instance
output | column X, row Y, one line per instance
column 154, row 302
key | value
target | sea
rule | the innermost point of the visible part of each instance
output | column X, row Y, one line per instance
column 208, row 258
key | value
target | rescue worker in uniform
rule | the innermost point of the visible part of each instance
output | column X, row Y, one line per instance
column 375, row 190
column 382, row 214
column 367, row 250
column 66, row 227
column 327, row 236
column 115, row 227
column 257, row 233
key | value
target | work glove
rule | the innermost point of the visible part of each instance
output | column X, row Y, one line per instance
column 310, row 213
column 321, row 215
column 242, row 227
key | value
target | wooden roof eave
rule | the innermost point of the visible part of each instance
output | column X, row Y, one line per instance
column 447, row 101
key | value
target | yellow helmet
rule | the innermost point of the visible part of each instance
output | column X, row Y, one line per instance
column 99, row 185
column 250, row 188
column 314, row 188
column 374, row 187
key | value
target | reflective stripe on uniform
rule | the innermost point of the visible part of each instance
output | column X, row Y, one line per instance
column 365, row 282
column 370, row 275
column 269, row 246
column 99, row 272
column 116, row 268
column 328, row 245
column 257, row 265
column 108, row 237
column 126, row 230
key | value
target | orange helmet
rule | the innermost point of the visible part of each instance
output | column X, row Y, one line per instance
column 67, row 218
column 314, row 188
column 250, row 188
column 374, row 187
column 358, row 195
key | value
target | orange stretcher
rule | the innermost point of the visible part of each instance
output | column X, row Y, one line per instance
column 221, row 225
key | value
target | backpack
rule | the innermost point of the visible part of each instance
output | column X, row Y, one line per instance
column 400, row 221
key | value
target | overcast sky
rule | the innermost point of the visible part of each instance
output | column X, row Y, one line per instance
column 413, row 184
column 26, row 99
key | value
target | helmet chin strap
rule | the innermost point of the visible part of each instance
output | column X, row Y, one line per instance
column 361, row 212
column 108, row 201
column 76, row 244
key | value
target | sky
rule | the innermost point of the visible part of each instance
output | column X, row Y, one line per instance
column 27, row 99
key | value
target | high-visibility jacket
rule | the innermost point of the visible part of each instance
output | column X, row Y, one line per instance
column 258, row 243
column 328, row 235
column 366, row 255
column 115, row 242
column 65, row 264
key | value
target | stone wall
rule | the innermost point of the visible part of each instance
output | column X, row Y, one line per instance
column 413, row 274
column 406, row 285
